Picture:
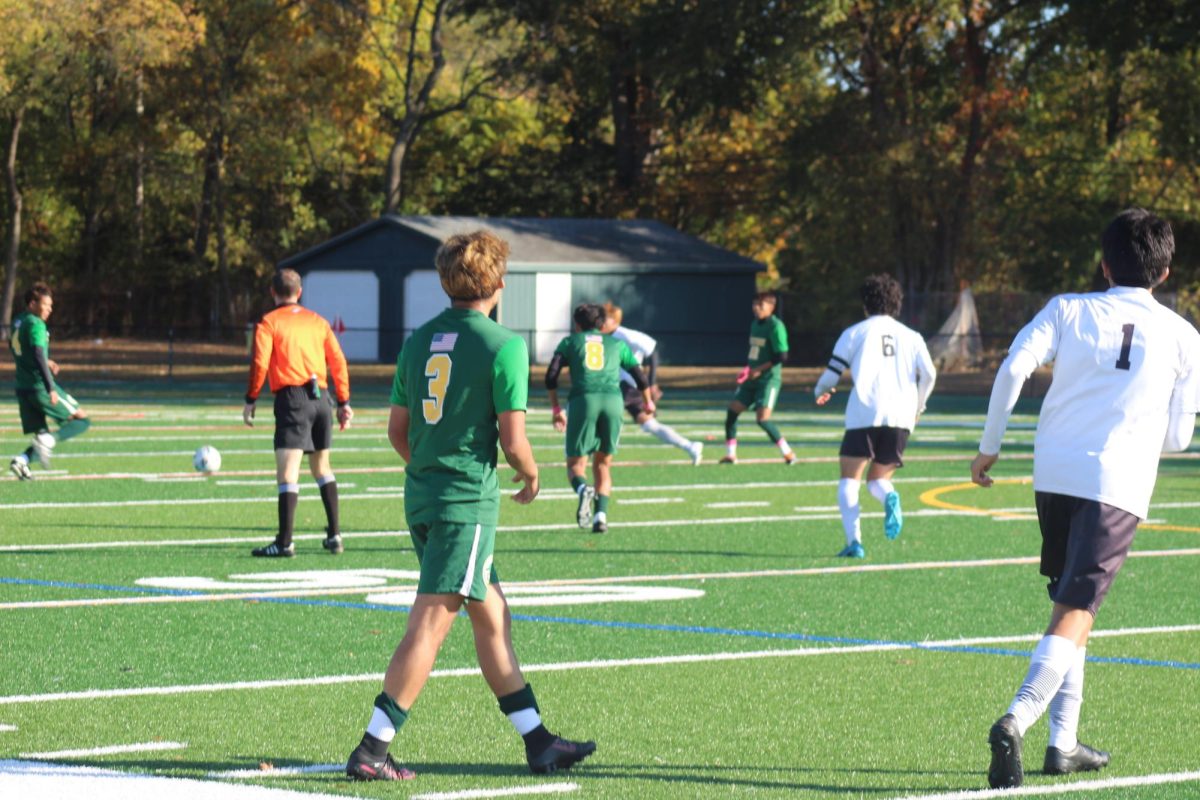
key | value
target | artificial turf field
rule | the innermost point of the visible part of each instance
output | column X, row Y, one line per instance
column 710, row 643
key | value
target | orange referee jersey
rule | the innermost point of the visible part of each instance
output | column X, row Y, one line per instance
column 291, row 344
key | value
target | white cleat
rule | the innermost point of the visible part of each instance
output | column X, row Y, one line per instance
column 696, row 451
column 20, row 468
column 43, row 445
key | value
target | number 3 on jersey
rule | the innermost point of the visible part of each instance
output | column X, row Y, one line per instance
column 437, row 369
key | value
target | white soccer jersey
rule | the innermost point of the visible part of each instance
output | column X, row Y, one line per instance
column 1122, row 362
column 893, row 373
column 642, row 345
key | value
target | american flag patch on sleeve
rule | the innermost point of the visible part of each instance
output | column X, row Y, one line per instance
column 442, row 342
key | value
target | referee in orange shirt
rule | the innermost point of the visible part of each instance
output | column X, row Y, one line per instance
column 292, row 346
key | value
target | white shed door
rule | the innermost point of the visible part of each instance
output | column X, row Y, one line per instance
column 350, row 301
column 424, row 299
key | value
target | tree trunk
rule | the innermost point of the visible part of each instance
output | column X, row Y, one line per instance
column 15, row 202
column 395, row 170
column 139, row 177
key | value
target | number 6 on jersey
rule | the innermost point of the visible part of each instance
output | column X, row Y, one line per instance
column 437, row 369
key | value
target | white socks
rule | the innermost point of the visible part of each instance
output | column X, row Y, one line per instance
column 783, row 446
column 525, row 720
column 880, row 489
column 1052, row 659
column 848, row 505
column 380, row 726
column 665, row 433
column 1064, row 708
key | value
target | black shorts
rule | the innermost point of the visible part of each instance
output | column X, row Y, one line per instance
column 303, row 422
column 881, row 445
column 632, row 397
column 1084, row 544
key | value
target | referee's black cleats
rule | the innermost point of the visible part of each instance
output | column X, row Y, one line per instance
column 1006, row 771
column 332, row 543
column 559, row 754
column 1081, row 759
column 274, row 551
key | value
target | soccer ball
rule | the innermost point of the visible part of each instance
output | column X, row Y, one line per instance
column 207, row 459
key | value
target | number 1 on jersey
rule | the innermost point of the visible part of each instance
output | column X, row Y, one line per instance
column 437, row 369
column 1126, row 343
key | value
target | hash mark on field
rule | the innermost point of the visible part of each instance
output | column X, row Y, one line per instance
column 480, row 794
column 143, row 747
column 275, row 772
column 649, row 501
column 740, row 504
column 1063, row 788
column 4, row 728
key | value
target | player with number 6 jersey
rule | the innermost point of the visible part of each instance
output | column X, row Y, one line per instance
column 893, row 378
column 593, row 417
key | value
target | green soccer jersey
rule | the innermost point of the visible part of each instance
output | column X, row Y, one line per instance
column 595, row 360
column 455, row 375
column 768, row 338
column 28, row 331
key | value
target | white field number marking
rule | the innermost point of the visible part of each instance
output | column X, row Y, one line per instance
column 381, row 591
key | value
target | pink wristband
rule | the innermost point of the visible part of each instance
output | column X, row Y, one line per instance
column 555, row 411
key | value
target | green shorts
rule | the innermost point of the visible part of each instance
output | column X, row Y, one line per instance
column 594, row 423
column 35, row 407
column 761, row 393
column 455, row 558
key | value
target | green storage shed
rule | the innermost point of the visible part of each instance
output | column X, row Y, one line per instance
column 377, row 283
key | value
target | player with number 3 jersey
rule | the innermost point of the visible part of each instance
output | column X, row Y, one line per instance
column 460, row 389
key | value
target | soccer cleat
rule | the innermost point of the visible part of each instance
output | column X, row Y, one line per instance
column 599, row 526
column 361, row 767
column 893, row 520
column 43, row 445
column 853, row 551
column 583, row 512
column 1005, row 771
column 20, row 468
column 789, row 458
column 696, row 451
column 559, row 754
column 333, row 543
column 274, row 551
column 1081, row 759
column 728, row 460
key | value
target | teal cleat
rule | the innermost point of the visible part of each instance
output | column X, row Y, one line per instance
column 853, row 551
column 893, row 519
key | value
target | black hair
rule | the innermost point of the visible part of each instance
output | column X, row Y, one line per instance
column 37, row 292
column 881, row 294
column 766, row 297
column 1138, row 248
column 589, row 316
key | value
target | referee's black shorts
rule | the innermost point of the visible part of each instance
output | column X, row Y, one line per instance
column 303, row 422
column 1084, row 544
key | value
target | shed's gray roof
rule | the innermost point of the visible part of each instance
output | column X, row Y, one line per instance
column 566, row 242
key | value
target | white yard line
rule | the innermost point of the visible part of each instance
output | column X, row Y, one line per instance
column 648, row 501
column 515, row 791
column 116, row 749
column 1073, row 787
column 5, row 728
column 33, row 780
column 275, row 772
column 742, row 504
column 569, row 666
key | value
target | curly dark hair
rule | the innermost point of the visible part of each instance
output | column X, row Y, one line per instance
column 881, row 294
column 589, row 316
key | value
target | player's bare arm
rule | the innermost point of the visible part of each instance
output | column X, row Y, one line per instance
column 519, row 454
column 398, row 431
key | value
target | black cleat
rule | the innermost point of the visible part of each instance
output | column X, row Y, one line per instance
column 273, row 551
column 333, row 544
column 599, row 526
column 1081, row 759
column 1006, row 771
column 361, row 767
column 559, row 754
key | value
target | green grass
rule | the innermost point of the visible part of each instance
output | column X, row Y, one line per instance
column 796, row 697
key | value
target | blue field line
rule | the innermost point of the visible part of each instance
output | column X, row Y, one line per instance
column 641, row 626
